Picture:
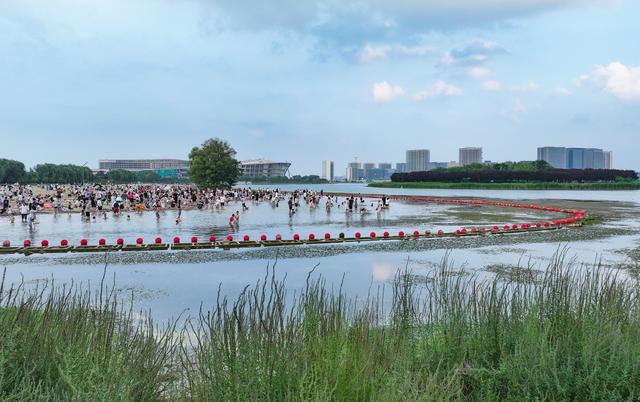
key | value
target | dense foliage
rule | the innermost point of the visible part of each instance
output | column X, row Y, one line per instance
column 569, row 333
column 296, row 179
column 505, row 176
column 213, row 165
column 11, row 171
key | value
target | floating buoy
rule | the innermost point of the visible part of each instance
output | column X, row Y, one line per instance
column 416, row 233
column 102, row 242
column 120, row 241
column 84, row 242
column 44, row 243
column 158, row 240
column 372, row 235
column 495, row 228
column 278, row 237
column 386, row 234
column 139, row 240
column 296, row 237
column 358, row 235
column 176, row 240
column 6, row 243
column 312, row 236
column 327, row 236
column 27, row 243
column 538, row 224
column 401, row 233
column 194, row 239
column 458, row 231
column 245, row 238
column 263, row 237
column 229, row 238
column 212, row 239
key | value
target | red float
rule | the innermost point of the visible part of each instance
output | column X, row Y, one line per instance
column 372, row 235
column 312, row 236
column 263, row 237
column 416, row 233
column 27, row 243
column 139, row 240
column 386, row 234
column 102, row 242
column 84, row 242
column 245, row 238
column 440, row 232
column 120, row 241
column 327, row 236
column 278, row 237
column 229, row 238
column 44, row 243
column 176, row 240
column 296, row 237
column 358, row 235
column 212, row 239
column 64, row 243
column 158, row 240
column 6, row 243
column 401, row 233
column 194, row 239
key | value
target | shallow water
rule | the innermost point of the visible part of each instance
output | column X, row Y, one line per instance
column 169, row 284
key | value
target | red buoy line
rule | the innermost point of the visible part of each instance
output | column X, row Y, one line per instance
column 572, row 218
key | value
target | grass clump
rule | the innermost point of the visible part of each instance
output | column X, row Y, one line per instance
column 64, row 344
column 570, row 335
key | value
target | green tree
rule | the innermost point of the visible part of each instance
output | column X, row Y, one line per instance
column 11, row 171
column 214, row 164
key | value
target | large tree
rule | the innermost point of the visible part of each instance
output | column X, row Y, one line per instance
column 213, row 165
column 11, row 171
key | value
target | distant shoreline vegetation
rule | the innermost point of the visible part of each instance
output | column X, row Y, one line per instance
column 622, row 185
column 311, row 179
column 535, row 175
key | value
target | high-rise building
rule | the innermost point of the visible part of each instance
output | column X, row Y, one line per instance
column 384, row 166
column 354, row 171
column 327, row 170
column 555, row 156
column 418, row 160
column 469, row 156
column 401, row 167
column 608, row 160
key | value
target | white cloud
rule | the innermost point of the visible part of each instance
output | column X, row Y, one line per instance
column 372, row 52
column 385, row 92
column 479, row 72
column 492, row 85
column 440, row 88
column 617, row 79
column 562, row 91
column 530, row 86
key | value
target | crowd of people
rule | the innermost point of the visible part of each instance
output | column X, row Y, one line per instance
column 98, row 201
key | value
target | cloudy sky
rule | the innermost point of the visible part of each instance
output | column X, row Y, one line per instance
column 304, row 81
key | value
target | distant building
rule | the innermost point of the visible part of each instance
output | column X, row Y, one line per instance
column 384, row 166
column 163, row 167
column 367, row 166
column 264, row 168
column 452, row 164
column 573, row 158
column 355, row 171
column 469, row 156
column 418, row 160
column 327, row 170
column 401, row 167
column 608, row 160
column 555, row 156
column 438, row 165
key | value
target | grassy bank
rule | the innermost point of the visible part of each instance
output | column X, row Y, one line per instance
column 569, row 334
column 511, row 186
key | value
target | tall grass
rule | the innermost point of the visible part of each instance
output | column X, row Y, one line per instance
column 571, row 335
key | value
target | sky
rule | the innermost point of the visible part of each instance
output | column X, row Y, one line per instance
column 304, row 81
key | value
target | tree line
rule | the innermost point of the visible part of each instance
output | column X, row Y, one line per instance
column 48, row 173
column 506, row 176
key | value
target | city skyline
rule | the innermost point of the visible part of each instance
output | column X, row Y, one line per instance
column 344, row 78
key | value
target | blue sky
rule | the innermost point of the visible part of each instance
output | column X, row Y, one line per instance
column 304, row 81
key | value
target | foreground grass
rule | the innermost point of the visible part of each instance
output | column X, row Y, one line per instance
column 635, row 185
column 570, row 335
